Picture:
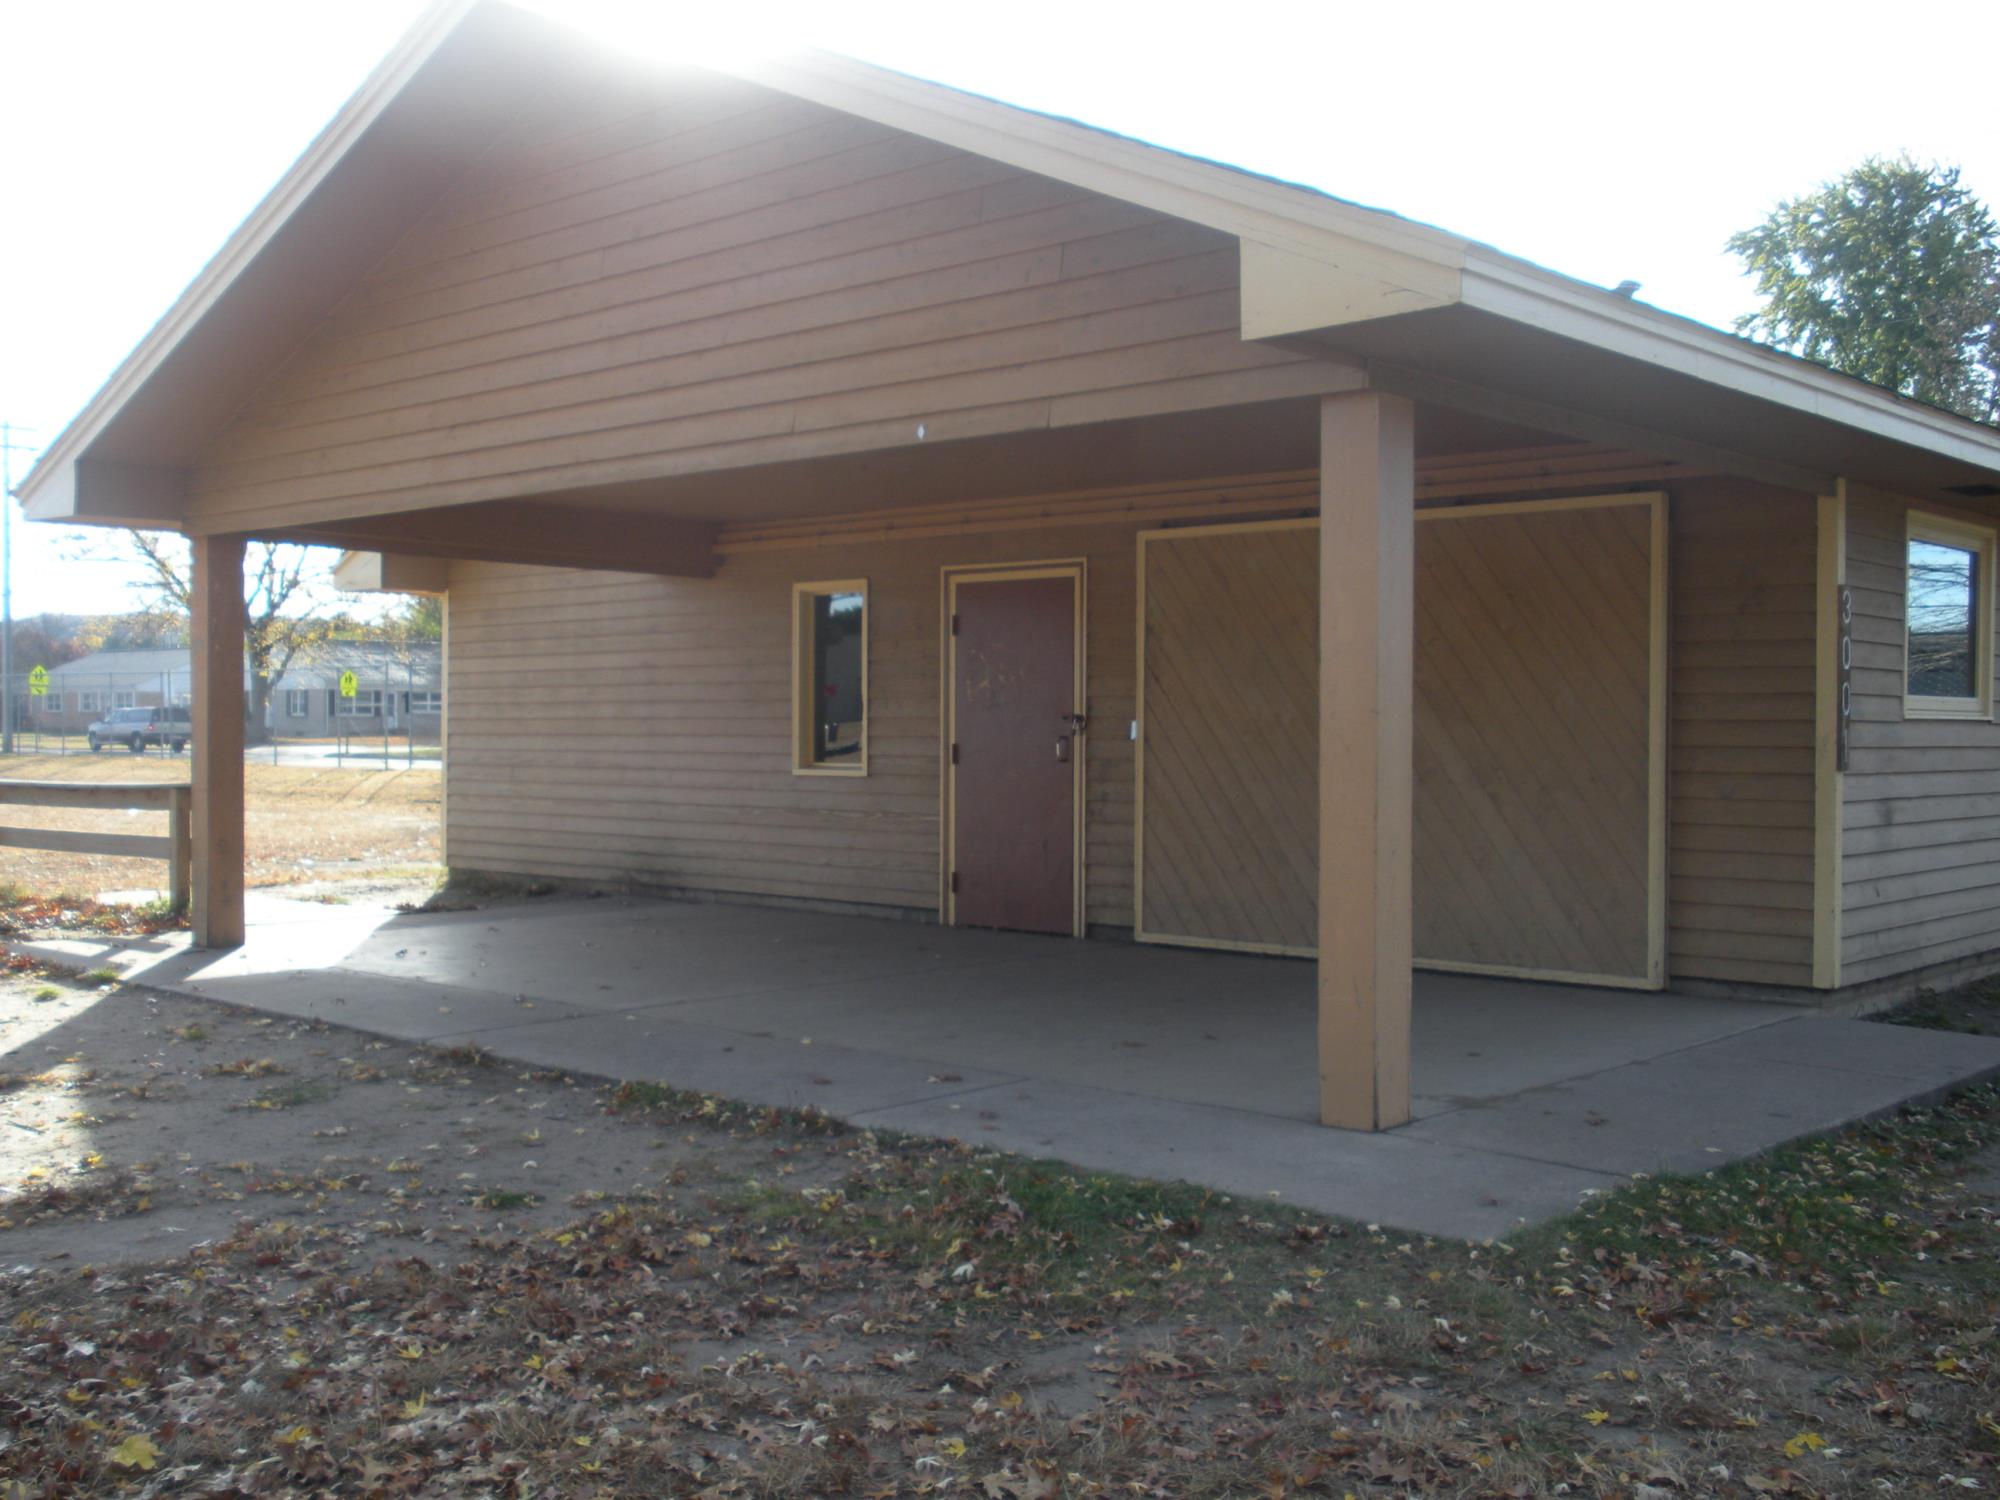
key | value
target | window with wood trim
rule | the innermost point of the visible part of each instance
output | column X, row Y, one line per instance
column 1948, row 619
column 830, row 678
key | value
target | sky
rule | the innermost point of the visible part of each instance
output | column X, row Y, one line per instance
column 1604, row 141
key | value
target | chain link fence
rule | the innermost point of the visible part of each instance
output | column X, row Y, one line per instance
column 81, row 713
column 361, row 702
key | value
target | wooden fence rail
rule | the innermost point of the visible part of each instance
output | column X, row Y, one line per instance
column 173, row 799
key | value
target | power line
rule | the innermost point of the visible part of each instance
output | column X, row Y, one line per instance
column 8, row 448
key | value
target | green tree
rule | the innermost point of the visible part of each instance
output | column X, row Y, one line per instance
column 422, row 617
column 1891, row 273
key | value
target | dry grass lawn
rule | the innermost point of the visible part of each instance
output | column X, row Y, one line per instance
column 305, row 824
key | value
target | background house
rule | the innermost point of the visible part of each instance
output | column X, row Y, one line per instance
column 85, row 690
column 399, row 689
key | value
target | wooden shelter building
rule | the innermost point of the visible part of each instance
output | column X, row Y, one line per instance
column 978, row 517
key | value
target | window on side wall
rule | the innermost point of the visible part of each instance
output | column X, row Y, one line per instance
column 296, row 705
column 1948, row 619
column 830, row 678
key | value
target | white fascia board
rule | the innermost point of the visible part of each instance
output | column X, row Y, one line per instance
column 49, row 491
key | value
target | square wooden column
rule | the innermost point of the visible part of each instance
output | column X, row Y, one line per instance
column 218, row 741
column 1367, row 574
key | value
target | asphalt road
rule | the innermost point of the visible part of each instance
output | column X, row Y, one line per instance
column 361, row 755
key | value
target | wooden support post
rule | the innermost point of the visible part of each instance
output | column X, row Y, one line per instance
column 1367, row 574
column 1833, row 662
column 218, row 741
column 180, row 845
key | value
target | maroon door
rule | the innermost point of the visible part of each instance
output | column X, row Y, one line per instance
column 1016, row 747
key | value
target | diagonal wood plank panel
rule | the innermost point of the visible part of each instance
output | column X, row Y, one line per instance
column 1231, row 738
column 1533, row 699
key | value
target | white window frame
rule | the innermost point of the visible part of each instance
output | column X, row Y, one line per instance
column 52, row 703
column 1947, row 531
column 124, row 698
column 353, row 708
column 89, row 701
column 298, row 703
column 803, row 595
column 425, row 703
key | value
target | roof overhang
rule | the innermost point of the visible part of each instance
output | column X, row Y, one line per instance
column 390, row 573
column 413, row 128
column 1439, row 316
column 1521, row 343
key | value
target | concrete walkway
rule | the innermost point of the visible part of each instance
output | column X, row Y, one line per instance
column 1153, row 1061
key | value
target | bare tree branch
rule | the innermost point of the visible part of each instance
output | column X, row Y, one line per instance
column 286, row 607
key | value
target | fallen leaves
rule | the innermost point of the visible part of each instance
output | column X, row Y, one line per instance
column 136, row 1452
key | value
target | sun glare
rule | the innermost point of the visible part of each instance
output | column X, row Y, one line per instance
column 675, row 34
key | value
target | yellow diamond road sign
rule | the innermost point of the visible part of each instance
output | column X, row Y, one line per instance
column 38, row 683
column 349, row 684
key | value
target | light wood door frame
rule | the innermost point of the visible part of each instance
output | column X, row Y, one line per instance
column 951, row 577
column 1658, row 708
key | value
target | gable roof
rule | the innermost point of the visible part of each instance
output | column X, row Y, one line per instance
column 1441, row 316
column 126, row 668
column 406, row 664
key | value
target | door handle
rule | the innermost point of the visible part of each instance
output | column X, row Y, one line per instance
column 1062, row 748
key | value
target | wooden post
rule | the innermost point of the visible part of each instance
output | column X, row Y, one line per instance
column 1832, row 688
column 180, row 857
column 218, row 741
column 1367, row 573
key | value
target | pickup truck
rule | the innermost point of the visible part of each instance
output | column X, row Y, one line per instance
column 135, row 728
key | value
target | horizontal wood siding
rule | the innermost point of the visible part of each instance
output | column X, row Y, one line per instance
column 615, row 728
column 1921, row 842
column 633, row 728
column 1740, row 846
column 716, row 275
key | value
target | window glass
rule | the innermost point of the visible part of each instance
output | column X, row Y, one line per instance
column 1943, row 606
column 830, row 674
column 836, row 678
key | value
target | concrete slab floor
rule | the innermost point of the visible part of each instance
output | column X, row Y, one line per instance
column 1161, row 1062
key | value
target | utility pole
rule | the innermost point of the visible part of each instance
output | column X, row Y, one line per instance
column 7, row 446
